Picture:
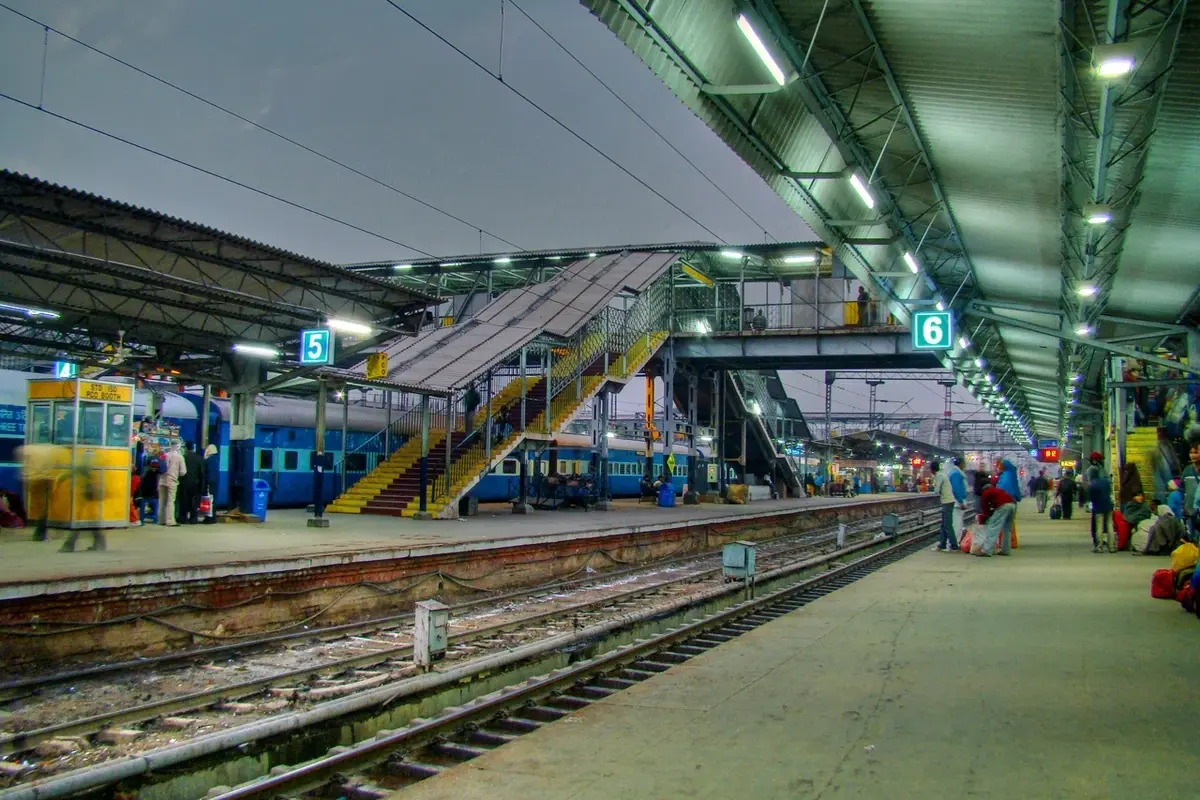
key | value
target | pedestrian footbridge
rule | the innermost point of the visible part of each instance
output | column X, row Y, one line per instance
column 525, row 362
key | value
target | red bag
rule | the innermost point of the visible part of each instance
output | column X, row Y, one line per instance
column 964, row 544
column 206, row 503
column 1187, row 598
column 1162, row 585
column 1123, row 529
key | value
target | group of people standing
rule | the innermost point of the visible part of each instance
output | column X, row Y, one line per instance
column 998, row 497
column 175, row 481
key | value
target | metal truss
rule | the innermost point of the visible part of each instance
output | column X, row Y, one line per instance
column 177, row 293
column 1108, row 128
column 847, row 86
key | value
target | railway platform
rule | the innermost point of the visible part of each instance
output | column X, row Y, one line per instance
column 1049, row 674
column 157, row 588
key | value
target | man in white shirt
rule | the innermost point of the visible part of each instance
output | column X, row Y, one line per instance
column 941, row 487
column 168, row 485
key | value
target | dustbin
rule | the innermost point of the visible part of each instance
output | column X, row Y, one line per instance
column 891, row 524
column 666, row 496
column 258, row 502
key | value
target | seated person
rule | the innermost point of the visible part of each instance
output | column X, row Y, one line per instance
column 1136, row 510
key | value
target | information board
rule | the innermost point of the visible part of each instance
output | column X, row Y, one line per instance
column 316, row 347
column 932, row 330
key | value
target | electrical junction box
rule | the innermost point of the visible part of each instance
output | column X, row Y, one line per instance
column 737, row 560
column 891, row 524
column 432, row 625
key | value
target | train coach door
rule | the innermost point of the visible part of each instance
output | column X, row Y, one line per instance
column 267, row 457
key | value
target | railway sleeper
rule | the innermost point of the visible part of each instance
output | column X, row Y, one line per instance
column 694, row 648
column 490, row 737
column 595, row 690
column 515, row 724
column 636, row 675
column 457, row 750
column 359, row 791
column 671, row 657
column 615, row 683
column 412, row 768
column 570, row 702
column 542, row 713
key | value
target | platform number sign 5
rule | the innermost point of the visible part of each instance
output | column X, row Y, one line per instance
column 932, row 330
column 316, row 346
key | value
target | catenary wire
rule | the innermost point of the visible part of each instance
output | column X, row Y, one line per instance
column 641, row 118
column 552, row 118
column 259, row 126
column 210, row 173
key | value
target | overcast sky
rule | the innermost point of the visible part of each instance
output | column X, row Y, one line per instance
column 358, row 81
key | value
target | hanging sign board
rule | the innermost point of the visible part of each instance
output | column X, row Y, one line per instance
column 316, row 347
column 377, row 366
column 932, row 330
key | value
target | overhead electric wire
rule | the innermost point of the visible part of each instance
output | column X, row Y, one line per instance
column 635, row 112
column 210, row 173
column 552, row 118
column 259, row 126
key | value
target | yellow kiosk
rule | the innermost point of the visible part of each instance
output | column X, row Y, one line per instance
column 80, row 431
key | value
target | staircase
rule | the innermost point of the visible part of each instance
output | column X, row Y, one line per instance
column 1140, row 446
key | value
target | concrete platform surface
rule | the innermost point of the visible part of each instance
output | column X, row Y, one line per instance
column 285, row 542
column 1051, row 674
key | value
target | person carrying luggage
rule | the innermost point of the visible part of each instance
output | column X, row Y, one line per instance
column 1066, row 494
column 996, row 511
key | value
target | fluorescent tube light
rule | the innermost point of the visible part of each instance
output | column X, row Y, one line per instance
column 259, row 350
column 862, row 190
column 761, row 49
column 912, row 263
column 348, row 326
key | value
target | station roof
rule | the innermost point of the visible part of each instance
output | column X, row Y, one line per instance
column 984, row 135
column 84, row 271
column 866, row 444
column 457, row 275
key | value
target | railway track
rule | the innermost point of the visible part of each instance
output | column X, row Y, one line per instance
column 389, row 661
column 374, row 769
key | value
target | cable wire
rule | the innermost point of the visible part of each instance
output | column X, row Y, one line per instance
column 210, row 173
column 283, row 137
column 552, row 118
column 642, row 119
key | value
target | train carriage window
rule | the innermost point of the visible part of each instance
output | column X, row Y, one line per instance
column 291, row 459
column 356, row 462
column 510, row 466
column 266, row 459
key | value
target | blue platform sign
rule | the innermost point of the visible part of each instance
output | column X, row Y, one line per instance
column 316, row 347
column 65, row 369
column 1047, row 443
column 932, row 330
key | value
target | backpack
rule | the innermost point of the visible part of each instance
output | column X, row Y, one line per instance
column 1162, row 584
column 1056, row 511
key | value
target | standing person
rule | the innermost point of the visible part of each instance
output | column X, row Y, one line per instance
column 168, row 485
column 39, row 474
column 958, row 485
column 1066, row 494
column 191, row 486
column 864, row 306
column 1041, row 490
column 1191, row 482
column 1009, row 481
column 1175, row 502
column 470, row 403
column 212, row 479
column 1100, row 496
column 997, row 509
column 945, row 492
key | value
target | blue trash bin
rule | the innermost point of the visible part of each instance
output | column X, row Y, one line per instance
column 258, row 505
column 666, row 496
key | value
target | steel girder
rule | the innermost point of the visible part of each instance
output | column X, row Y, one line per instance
column 847, row 86
column 1108, row 127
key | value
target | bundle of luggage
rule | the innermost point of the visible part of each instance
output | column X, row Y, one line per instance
column 1156, row 536
column 1181, row 581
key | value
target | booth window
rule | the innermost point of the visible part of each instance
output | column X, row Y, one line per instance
column 91, row 424
column 119, row 422
column 39, row 430
column 64, row 423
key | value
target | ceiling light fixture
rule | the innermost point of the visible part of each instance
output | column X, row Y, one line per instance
column 732, row 254
column 912, row 262
column 1088, row 290
column 29, row 312
column 941, row 306
column 502, row 260
column 810, row 258
column 1114, row 60
column 262, row 351
column 1083, row 330
column 862, row 190
column 348, row 326
column 761, row 49
column 402, row 266
column 964, row 342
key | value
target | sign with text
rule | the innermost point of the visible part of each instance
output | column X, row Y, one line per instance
column 65, row 369
column 1047, row 443
column 109, row 392
column 377, row 366
column 932, row 330
column 316, row 347
column 1048, row 455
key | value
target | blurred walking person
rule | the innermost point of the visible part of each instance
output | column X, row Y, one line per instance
column 1066, row 493
column 38, row 472
column 168, row 485
column 947, row 541
column 1041, row 490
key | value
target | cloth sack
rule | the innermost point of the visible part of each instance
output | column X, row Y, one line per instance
column 965, row 542
column 1184, row 556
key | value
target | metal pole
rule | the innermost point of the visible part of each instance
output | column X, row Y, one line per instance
column 549, row 397
column 742, row 296
column 718, row 416
column 345, row 425
column 487, row 424
column 318, row 464
column 524, row 389
column 387, row 431
column 692, row 495
column 424, row 467
column 205, row 405
column 830, row 377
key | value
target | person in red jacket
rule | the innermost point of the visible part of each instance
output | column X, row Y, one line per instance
column 996, row 508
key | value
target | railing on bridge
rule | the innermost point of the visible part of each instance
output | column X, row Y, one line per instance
column 762, row 317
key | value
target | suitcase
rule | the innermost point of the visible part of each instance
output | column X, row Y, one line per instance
column 1056, row 511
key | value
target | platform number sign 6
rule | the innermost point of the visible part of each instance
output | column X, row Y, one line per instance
column 316, row 346
column 932, row 330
